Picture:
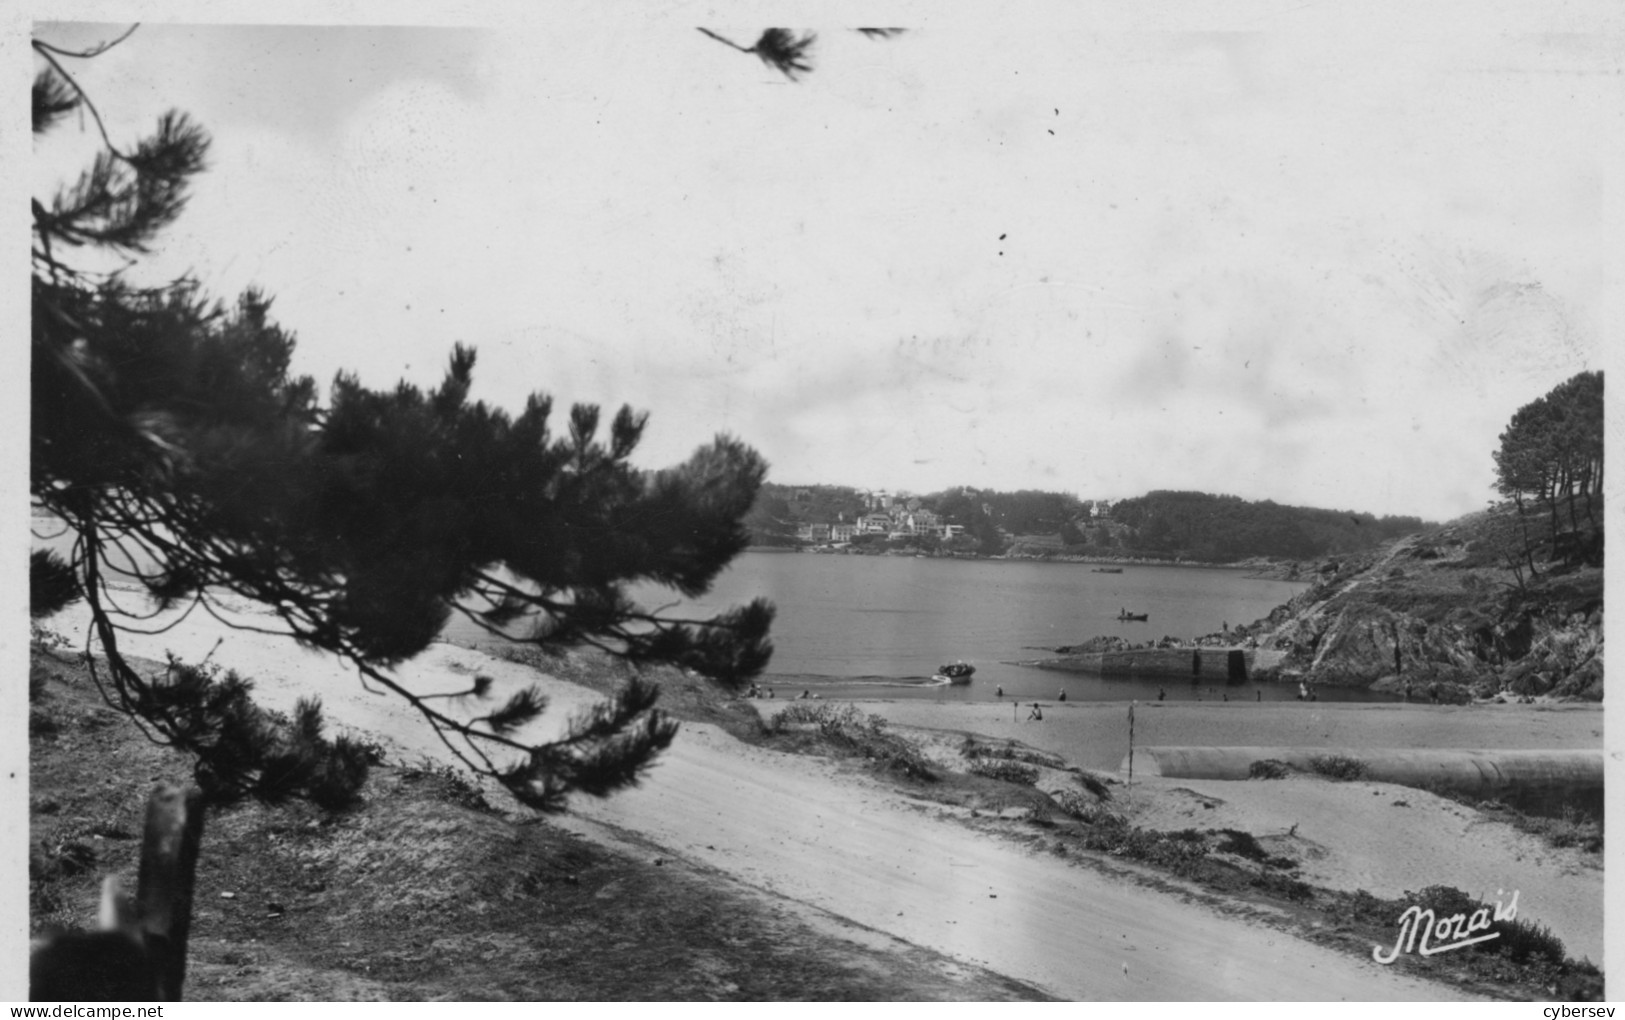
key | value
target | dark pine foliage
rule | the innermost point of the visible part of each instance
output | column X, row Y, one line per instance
column 170, row 435
column 778, row 48
column 790, row 53
column 1550, row 465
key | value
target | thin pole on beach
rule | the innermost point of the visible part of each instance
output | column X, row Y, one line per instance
column 1131, row 752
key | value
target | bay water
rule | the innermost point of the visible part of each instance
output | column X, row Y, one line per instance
column 880, row 626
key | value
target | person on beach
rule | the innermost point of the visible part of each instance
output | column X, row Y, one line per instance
column 1260, row 692
column 1061, row 697
column 999, row 691
column 1303, row 691
column 1037, row 713
column 770, row 693
column 1162, row 694
column 804, row 695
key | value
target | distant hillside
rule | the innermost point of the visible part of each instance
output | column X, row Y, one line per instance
column 1189, row 526
column 780, row 510
column 1222, row 529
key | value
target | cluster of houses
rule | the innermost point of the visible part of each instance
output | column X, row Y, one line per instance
column 905, row 525
column 898, row 516
column 888, row 515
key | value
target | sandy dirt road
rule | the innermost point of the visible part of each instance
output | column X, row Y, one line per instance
column 812, row 832
column 806, row 831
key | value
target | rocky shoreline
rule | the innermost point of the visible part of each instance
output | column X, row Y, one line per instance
column 1434, row 615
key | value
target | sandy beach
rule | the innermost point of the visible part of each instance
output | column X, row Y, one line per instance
column 830, row 838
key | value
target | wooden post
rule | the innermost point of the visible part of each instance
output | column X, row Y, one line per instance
column 140, row 952
column 1131, row 752
column 168, row 869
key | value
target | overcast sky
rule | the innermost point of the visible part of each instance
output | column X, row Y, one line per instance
column 1307, row 253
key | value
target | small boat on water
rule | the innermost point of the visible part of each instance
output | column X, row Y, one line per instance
column 1134, row 617
column 1108, row 570
column 956, row 672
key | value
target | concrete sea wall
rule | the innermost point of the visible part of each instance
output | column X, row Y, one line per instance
column 1213, row 665
column 1538, row 782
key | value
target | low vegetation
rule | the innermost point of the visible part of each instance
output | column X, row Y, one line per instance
column 1009, row 751
column 1004, row 769
column 448, row 785
column 1086, row 809
column 1338, row 767
column 847, row 731
column 1522, row 951
column 1246, row 846
column 1269, row 768
column 1178, row 851
column 1569, row 828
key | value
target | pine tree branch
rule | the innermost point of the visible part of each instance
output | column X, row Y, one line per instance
column 45, row 50
column 94, row 51
column 725, row 41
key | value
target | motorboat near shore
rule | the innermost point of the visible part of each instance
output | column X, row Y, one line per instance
column 1108, row 570
column 1133, row 617
column 955, row 672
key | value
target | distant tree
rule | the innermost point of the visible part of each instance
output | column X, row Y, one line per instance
column 169, row 434
column 1031, row 511
column 771, row 521
column 966, row 507
column 1158, row 533
column 1550, row 459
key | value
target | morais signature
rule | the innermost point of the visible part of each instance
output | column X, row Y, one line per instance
column 1426, row 938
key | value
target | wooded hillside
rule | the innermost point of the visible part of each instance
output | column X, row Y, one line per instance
column 1163, row 524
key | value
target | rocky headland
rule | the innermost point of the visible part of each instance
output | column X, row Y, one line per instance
column 1439, row 614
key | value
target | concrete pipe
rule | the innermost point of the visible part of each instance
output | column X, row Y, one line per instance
column 1539, row 782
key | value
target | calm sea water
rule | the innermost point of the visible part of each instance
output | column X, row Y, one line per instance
column 879, row 626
